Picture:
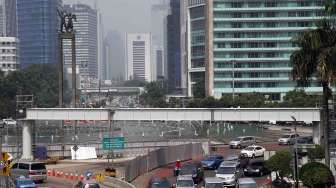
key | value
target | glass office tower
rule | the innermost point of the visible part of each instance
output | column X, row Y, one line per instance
column 38, row 23
column 244, row 46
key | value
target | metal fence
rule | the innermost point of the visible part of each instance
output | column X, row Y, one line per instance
column 161, row 157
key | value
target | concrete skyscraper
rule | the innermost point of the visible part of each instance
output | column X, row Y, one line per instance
column 86, row 40
column 237, row 47
column 8, row 21
column 38, row 35
column 138, row 53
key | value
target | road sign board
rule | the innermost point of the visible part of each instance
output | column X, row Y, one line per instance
column 114, row 143
column 75, row 148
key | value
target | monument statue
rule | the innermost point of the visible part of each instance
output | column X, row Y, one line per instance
column 67, row 20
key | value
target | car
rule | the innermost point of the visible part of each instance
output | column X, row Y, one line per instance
column 287, row 139
column 87, row 184
column 194, row 169
column 9, row 122
column 253, row 151
column 23, row 182
column 242, row 159
column 30, row 169
column 257, row 167
column 212, row 161
column 158, row 182
column 242, row 141
column 213, row 182
column 185, row 182
column 305, row 140
column 229, row 172
column 246, row 183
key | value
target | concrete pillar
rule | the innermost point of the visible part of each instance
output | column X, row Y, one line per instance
column 27, row 138
column 317, row 132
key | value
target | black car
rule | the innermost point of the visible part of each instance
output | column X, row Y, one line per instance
column 256, row 168
column 305, row 140
column 158, row 182
column 193, row 169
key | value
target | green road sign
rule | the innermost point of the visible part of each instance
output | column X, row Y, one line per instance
column 114, row 143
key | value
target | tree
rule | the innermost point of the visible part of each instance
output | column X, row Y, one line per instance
column 299, row 98
column 316, row 153
column 199, row 89
column 316, row 175
column 154, row 95
column 316, row 58
column 280, row 162
column 37, row 80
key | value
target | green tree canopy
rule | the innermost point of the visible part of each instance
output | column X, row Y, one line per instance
column 316, row 153
column 280, row 162
column 316, row 175
column 154, row 95
column 299, row 98
column 37, row 80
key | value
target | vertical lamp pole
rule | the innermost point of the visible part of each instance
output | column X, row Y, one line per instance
column 295, row 155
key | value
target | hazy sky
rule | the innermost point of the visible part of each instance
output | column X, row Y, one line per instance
column 123, row 15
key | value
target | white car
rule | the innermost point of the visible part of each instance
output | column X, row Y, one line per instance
column 185, row 182
column 9, row 122
column 253, row 151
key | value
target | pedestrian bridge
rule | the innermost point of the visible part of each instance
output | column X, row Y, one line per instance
column 176, row 114
column 161, row 114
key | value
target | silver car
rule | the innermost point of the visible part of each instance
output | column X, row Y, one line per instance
column 229, row 173
column 246, row 183
column 213, row 182
column 35, row 170
column 287, row 139
column 242, row 141
column 185, row 182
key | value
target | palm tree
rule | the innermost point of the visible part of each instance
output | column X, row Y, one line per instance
column 316, row 61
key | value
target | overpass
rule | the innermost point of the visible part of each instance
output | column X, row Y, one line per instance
column 161, row 114
column 176, row 114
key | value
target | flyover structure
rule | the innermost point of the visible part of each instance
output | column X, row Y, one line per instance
column 176, row 114
column 308, row 115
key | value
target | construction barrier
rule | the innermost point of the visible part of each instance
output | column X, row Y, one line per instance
column 161, row 157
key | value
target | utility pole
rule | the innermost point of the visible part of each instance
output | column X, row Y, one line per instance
column 296, row 177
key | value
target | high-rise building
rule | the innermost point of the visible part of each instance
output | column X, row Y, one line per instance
column 138, row 54
column 117, row 64
column 174, row 46
column 184, row 37
column 159, row 61
column 237, row 47
column 38, row 24
column 8, row 22
column 9, row 54
column 100, row 43
column 107, row 61
column 86, row 40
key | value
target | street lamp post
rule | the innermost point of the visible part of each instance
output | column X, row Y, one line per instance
column 295, row 155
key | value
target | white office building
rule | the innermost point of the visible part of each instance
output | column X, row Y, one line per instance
column 138, row 57
column 9, row 54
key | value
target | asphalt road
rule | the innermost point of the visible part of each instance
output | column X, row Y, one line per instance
column 225, row 151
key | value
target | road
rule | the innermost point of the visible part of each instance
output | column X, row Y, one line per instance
column 167, row 171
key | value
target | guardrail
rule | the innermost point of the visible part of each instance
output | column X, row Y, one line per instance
column 116, row 183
